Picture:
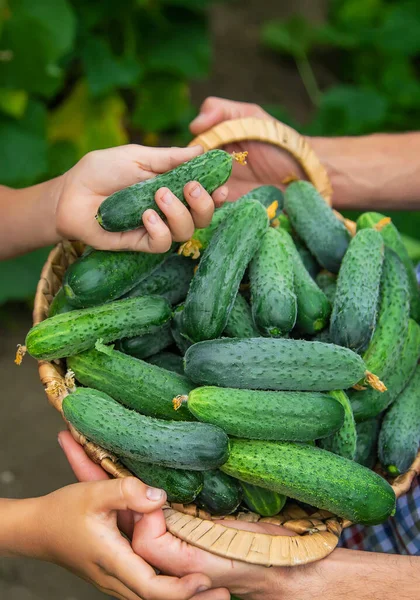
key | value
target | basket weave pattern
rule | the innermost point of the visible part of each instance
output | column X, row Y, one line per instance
column 314, row 534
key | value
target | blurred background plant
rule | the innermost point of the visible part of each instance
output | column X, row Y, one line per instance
column 77, row 75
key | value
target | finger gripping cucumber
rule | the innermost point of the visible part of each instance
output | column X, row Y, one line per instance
column 273, row 364
column 221, row 494
column 314, row 476
column 73, row 332
column 180, row 445
column 273, row 298
column 124, row 209
column 315, row 222
column 353, row 317
column 215, row 284
column 264, row 415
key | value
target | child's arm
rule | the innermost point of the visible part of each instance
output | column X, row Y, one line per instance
column 76, row 527
column 65, row 207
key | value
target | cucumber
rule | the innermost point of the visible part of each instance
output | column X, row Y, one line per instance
column 124, row 209
column 177, row 330
column 59, row 305
column 322, row 336
column 267, row 195
column 167, row 360
column 263, row 415
column 399, row 437
column 262, row 501
column 180, row 445
column 136, row 384
column 282, row 221
column 393, row 240
column 143, row 346
column 215, row 284
column 393, row 316
column 370, row 403
column 343, row 441
column 313, row 476
column 273, row 364
column 273, row 298
column 180, row 486
column 240, row 323
column 221, row 494
column 309, row 261
column 171, row 279
column 313, row 307
column 327, row 282
column 367, row 440
column 353, row 317
column 101, row 276
column 78, row 330
column 324, row 234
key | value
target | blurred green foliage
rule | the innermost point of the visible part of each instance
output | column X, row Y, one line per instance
column 78, row 75
column 370, row 50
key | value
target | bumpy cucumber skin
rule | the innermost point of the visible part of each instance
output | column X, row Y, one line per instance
column 262, row 501
column 369, row 403
column 101, row 276
column 180, row 445
column 314, row 476
column 136, row 384
column 400, row 430
column 308, row 260
column 313, row 307
column 59, row 305
column 392, row 239
column 221, row 494
column 393, row 316
column 240, row 323
column 180, row 486
column 342, row 442
column 355, row 306
column 263, row 415
column 171, row 279
column 273, row 364
column 367, row 441
column 78, row 330
column 266, row 194
column 169, row 361
column 273, row 299
column 178, row 330
column 124, row 209
column 325, row 235
column 215, row 284
column 143, row 346
column 327, row 282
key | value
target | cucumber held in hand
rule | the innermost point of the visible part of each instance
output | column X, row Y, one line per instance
column 101, row 276
column 273, row 298
column 315, row 222
column 221, row 494
column 262, row 501
column 264, row 415
column 275, row 364
column 136, row 384
column 353, row 317
column 176, row 444
column 216, row 282
column 313, row 476
column 124, row 209
column 73, row 332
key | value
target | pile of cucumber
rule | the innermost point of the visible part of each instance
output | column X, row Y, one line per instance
column 280, row 361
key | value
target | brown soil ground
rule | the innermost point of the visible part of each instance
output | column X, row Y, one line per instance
column 31, row 462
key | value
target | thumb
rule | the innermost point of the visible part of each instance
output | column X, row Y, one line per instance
column 127, row 493
column 216, row 110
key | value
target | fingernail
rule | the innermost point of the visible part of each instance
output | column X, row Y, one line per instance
column 202, row 588
column 59, row 442
column 195, row 191
column 137, row 517
column 154, row 493
column 167, row 198
column 153, row 218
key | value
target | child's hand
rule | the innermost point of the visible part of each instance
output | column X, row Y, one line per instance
column 101, row 173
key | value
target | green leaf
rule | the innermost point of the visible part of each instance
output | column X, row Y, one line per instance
column 161, row 104
column 106, row 72
column 62, row 155
column 357, row 13
column 400, row 32
column 19, row 276
column 348, row 110
column 413, row 247
column 281, row 113
column 400, row 83
column 23, row 147
column 13, row 102
column 293, row 37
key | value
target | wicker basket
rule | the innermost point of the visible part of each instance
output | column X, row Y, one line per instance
column 312, row 534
